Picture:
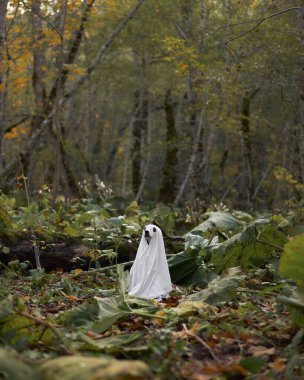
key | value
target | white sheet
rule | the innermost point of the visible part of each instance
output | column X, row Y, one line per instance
column 149, row 275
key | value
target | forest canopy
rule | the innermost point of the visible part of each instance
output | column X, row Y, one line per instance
column 163, row 101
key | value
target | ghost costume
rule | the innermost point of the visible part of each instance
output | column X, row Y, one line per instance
column 149, row 275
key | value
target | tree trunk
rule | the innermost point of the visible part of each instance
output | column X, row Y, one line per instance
column 10, row 169
column 38, row 81
column 192, row 161
column 3, row 11
column 39, row 64
column 139, row 195
column 168, row 187
column 71, row 56
column 140, row 127
column 247, row 146
column 300, row 113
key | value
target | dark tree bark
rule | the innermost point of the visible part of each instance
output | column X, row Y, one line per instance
column 247, row 146
column 3, row 10
column 73, row 52
column 140, row 126
column 300, row 105
column 10, row 169
column 168, row 187
column 39, row 64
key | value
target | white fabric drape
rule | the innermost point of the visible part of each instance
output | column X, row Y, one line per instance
column 149, row 275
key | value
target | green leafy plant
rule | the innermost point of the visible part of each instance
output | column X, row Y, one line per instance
column 292, row 267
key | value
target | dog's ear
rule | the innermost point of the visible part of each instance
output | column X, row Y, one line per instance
column 154, row 229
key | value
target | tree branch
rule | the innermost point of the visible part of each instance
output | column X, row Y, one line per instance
column 258, row 21
column 24, row 118
column 73, row 51
column 101, row 53
column 202, row 342
column 7, row 171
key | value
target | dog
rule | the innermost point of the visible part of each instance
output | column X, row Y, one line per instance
column 149, row 234
column 149, row 275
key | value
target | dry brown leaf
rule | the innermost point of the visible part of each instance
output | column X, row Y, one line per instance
column 261, row 351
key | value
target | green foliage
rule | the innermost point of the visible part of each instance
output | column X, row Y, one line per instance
column 219, row 221
column 17, row 328
column 5, row 220
column 292, row 267
column 292, row 261
column 96, row 316
column 189, row 269
column 253, row 364
column 221, row 289
column 112, row 344
column 252, row 247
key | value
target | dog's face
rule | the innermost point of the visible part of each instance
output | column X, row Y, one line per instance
column 149, row 233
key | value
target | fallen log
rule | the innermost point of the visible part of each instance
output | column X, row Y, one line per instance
column 69, row 253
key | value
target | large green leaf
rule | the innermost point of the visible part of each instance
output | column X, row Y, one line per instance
column 189, row 269
column 110, row 310
column 122, row 279
column 245, row 250
column 87, row 368
column 17, row 329
column 221, row 289
column 110, row 344
column 223, row 221
column 195, row 240
column 81, row 315
column 191, row 308
column 181, row 266
column 292, row 261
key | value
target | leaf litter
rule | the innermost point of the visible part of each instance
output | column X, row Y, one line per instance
column 223, row 320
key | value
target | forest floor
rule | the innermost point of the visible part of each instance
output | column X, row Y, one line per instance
column 236, row 310
column 250, row 337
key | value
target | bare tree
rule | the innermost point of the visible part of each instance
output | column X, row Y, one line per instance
column 10, row 168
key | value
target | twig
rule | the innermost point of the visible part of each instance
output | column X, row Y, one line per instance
column 260, row 21
column 101, row 53
column 255, row 19
column 25, row 118
column 53, row 27
column 201, row 341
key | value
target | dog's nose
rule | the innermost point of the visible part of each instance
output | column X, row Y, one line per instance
column 147, row 233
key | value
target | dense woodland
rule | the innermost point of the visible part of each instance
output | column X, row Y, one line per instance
column 164, row 101
column 188, row 114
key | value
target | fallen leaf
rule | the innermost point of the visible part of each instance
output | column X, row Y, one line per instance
column 279, row 364
column 261, row 350
column 73, row 298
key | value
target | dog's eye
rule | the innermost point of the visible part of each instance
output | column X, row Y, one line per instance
column 154, row 229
